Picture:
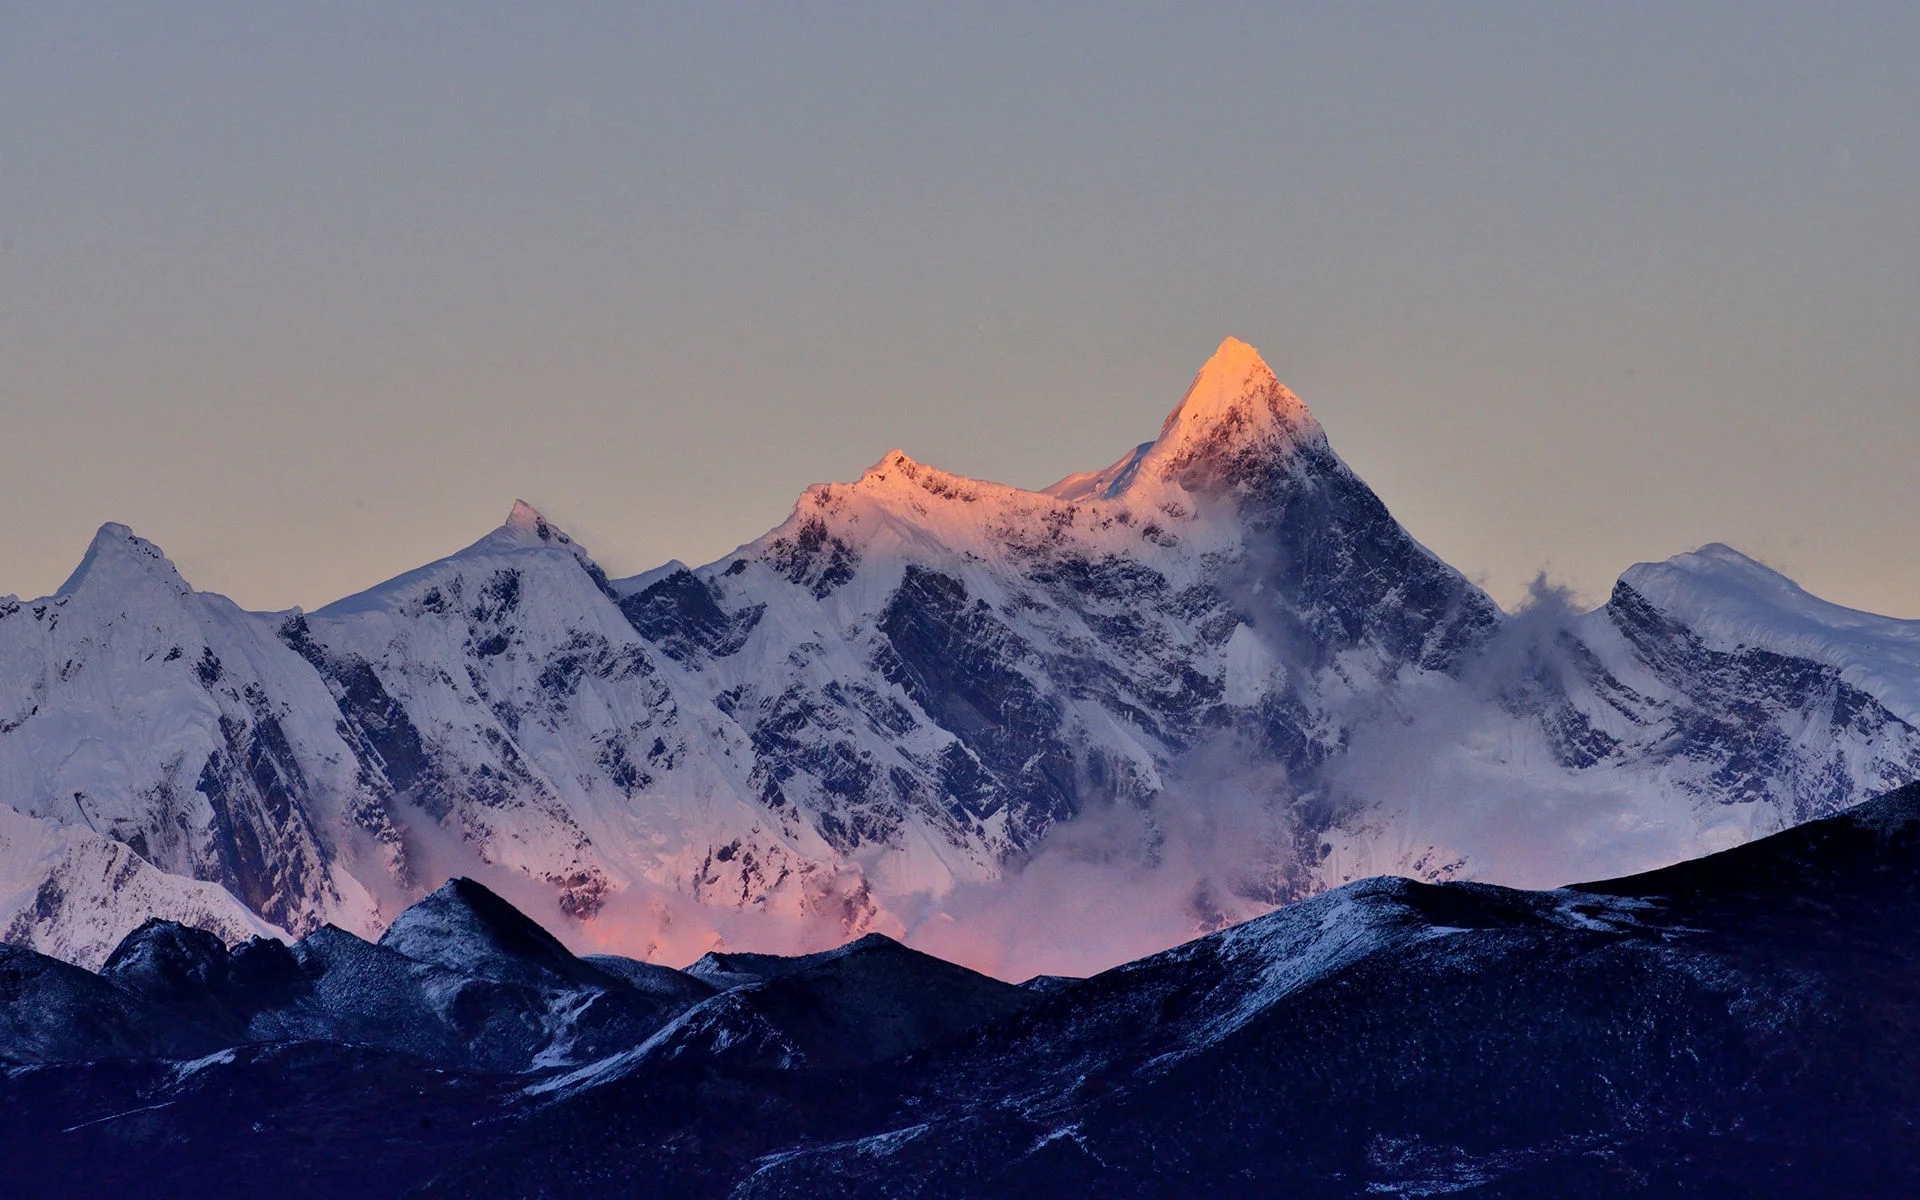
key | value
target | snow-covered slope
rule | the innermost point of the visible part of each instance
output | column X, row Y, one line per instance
column 173, row 724
column 1219, row 670
column 1731, row 602
column 74, row 894
column 522, row 717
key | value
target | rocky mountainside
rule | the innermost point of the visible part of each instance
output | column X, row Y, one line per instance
column 1736, row 1025
column 1730, row 1026
column 924, row 705
column 461, row 980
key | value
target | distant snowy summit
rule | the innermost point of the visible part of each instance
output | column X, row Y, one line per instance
column 1220, row 662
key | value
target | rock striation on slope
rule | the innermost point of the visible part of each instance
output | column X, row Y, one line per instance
column 897, row 695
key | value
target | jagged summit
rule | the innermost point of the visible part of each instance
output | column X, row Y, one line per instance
column 118, row 557
column 895, row 462
column 897, row 469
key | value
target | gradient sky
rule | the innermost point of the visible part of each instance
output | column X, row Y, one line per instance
column 309, row 294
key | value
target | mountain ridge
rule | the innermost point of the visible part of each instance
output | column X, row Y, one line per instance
column 1738, row 1024
column 1220, row 666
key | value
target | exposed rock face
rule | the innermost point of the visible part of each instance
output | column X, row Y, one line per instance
column 903, row 690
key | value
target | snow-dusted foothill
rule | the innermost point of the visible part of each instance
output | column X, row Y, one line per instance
column 1735, row 1025
column 462, row 980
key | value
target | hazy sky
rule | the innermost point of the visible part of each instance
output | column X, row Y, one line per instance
column 309, row 294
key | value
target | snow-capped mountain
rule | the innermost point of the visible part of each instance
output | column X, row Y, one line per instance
column 175, row 726
column 1222, row 653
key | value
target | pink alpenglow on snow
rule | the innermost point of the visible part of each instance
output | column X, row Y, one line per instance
column 1032, row 731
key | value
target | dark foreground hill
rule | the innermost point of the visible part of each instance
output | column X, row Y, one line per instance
column 1745, row 1024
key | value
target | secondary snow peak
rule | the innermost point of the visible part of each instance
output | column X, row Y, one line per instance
column 527, row 523
column 897, row 474
column 117, row 556
column 525, row 526
column 894, row 461
column 1717, row 575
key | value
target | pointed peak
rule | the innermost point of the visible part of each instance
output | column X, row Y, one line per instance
column 893, row 468
column 467, row 927
column 1226, row 374
column 1235, row 419
column 527, row 524
column 525, row 527
column 1234, row 361
column 1235, row 387
column 524, row 516
column 893, row 460
column 525, row 530
column 118, row 556
column 898, row 474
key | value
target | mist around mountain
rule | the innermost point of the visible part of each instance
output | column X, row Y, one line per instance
column 1029, row 731
column 1735, row 1025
